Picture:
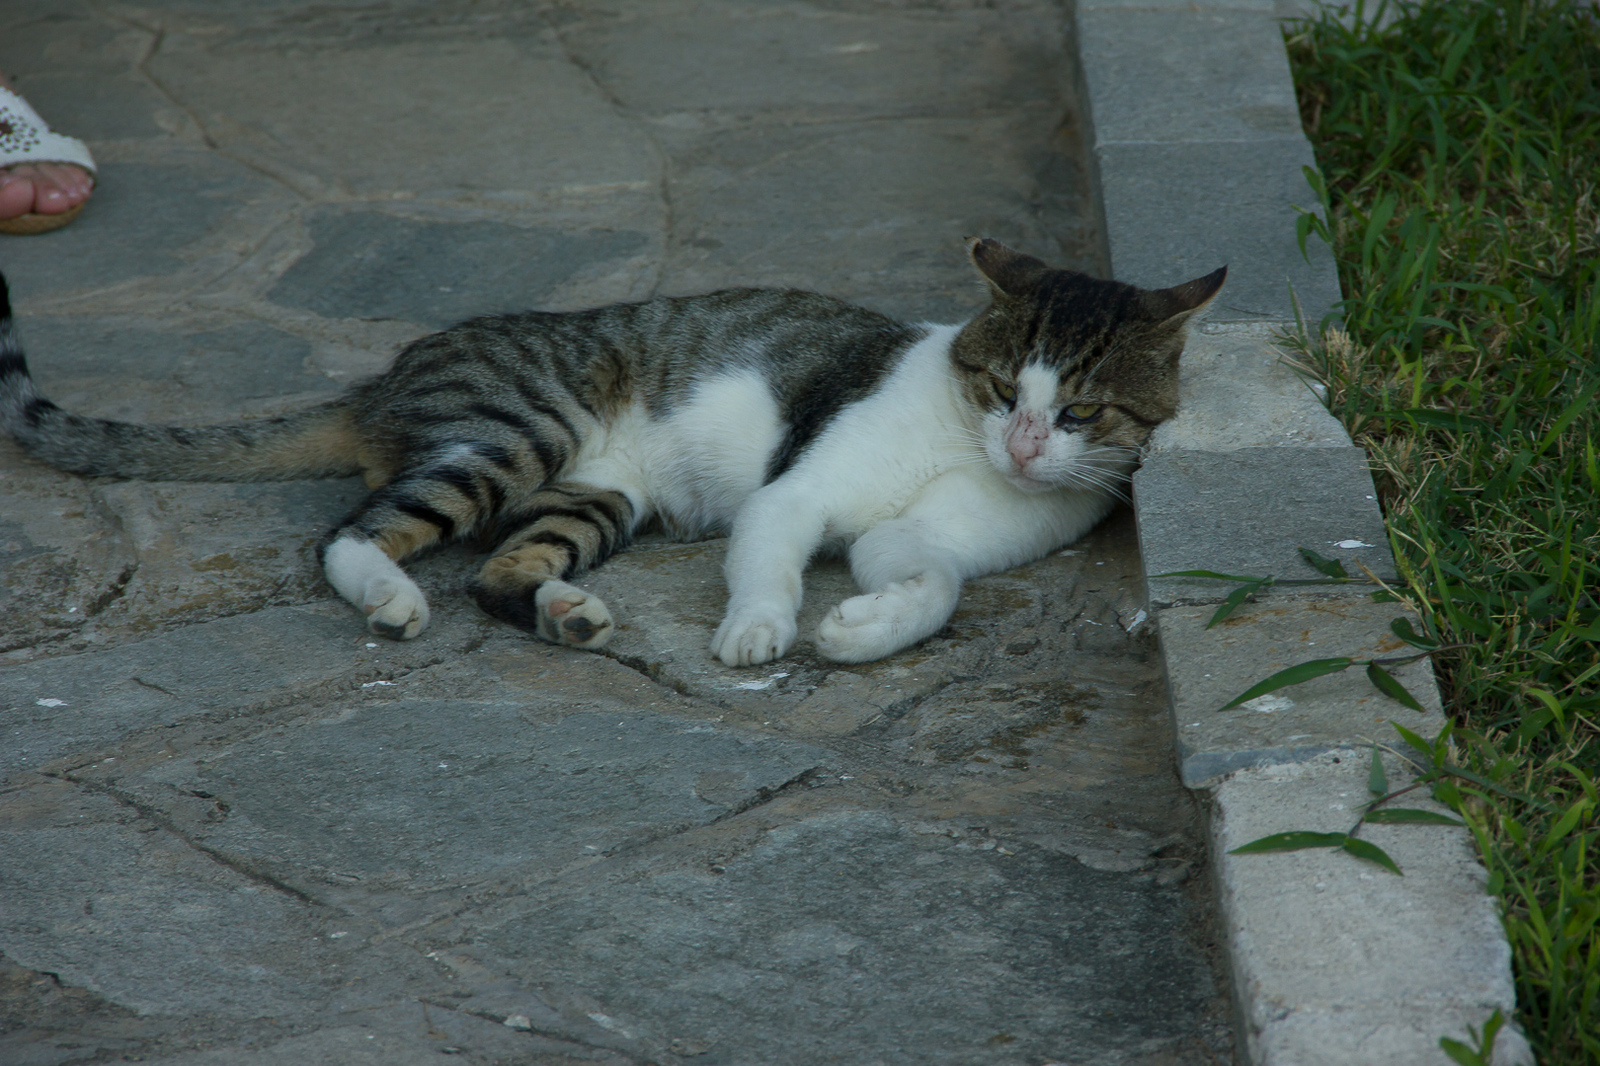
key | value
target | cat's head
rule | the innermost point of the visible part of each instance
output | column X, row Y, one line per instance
column 1071, row 373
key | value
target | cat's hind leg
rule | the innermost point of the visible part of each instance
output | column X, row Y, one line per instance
column 911, row 589
column 561, row 531
column 418, row 509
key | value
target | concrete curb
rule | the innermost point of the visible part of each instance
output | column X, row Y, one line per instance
column 1198, row 153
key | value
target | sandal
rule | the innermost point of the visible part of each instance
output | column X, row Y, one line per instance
column 24, row 138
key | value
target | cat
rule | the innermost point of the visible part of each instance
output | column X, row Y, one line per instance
column 791, row 421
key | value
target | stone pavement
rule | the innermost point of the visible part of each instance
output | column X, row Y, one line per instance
column 239, row 831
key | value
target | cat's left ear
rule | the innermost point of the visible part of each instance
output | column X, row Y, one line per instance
column 1182, row 301
column 1010, row 272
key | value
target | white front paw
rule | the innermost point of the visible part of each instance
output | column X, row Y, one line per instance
column 860, row 630
column 395, row 608
column 751, row 637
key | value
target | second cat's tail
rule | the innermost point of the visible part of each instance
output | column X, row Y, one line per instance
column 320, row 441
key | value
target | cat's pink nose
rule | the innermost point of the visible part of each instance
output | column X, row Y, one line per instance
column 1026, row 440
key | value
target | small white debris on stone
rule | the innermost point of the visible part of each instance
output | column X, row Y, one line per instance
column 371, row 645
column 340, row 933
column 1352, row 543
column 1269, row 703
column 605, row 1021
column 518, row 1021
column 1138, row 620
column 51, row 703
column 369, row 684
column 753, row 685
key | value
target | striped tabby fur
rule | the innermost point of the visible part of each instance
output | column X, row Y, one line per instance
column 791, row 420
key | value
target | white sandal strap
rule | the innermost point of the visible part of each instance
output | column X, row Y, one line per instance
column 24, row 137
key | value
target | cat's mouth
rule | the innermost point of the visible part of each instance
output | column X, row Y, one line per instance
column 1020, row 480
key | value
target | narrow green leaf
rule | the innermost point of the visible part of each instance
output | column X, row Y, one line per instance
column 1365, row 849
column 1294, row 675
column 1291, row 841
column 1211, row 574
column 1416, row 742
column 1235, row 598
column 1411, row 816
column 1377, row 780
column 1573, row 410
column 1440, row 420
column 1460, row 1052
column 1385, row 683
column 1329, row 567
column 1401, row 627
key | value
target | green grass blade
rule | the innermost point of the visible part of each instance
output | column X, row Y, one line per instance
column 1294, row 675
column 1377, row 780
column 1365, row 849
column 1211, row 574
column 1234, row 600
column 1292, row 841
column 1385, row 682
column 1411, row 816
column 1401, row 627
column 1328, row 567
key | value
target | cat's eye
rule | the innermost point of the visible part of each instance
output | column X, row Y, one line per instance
column 1006, row 392
column 1082, row 412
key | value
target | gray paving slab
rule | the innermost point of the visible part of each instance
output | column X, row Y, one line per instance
column 1237, row 390
column 1207, row 668
column 1248, row 512
column 419, row 795
column 1176, row 210
column 373, row 264
column 228, row 821
column 109, row 903
column 1359, row 931
column 1222, row 71
column 852, row 934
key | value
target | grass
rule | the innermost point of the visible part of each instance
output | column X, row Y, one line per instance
column 1459, row 147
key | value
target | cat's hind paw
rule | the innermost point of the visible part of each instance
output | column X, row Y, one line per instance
column 753, row 637
column 370, row 581
column 395, row 609
column 572, row 617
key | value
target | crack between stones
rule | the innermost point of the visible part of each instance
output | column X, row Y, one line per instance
column 669, row 224
column 762, row 797
column 656, row 675
column 872, row 729
column 158, row 35
column 151, row 814
column 533, row 1030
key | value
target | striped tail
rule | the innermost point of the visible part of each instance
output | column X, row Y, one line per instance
column 320, row 441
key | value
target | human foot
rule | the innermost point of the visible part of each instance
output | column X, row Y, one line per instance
column 44, row 177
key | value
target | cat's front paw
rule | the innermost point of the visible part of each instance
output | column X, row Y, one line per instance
column 570, row 616
column 751, row 637
column 395, row 608
column 865, row 628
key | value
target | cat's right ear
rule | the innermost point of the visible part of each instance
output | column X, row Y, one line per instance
column 1008, row 270
column 1182, row 301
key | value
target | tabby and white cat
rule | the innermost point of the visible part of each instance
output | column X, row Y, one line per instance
column 792, row 421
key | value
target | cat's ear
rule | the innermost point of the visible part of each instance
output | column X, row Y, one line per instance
column 1008, row 270
column 1182, row 301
